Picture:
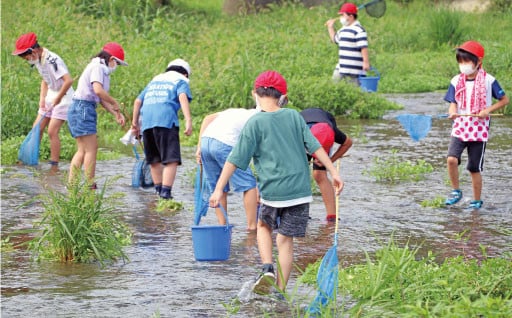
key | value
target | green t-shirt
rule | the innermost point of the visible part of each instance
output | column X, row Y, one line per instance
column 277, row 143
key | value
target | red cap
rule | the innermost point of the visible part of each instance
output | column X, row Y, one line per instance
column 24, row 43
column 349, row 8
column 324, row 134
column 473, row 47
column 271, row 79
column 116, row 50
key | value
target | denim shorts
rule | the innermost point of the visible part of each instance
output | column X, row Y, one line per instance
column 213, row 156
column 82, row 118
column 288, row 221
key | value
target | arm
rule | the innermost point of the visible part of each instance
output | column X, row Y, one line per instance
column 502, row 102
column 109, row 103
column 342, row 149
column 185, row 107
column 42, row 95
column 366, row 59
column 326, row 161
column 68, row 81
column 206, row 122
column 330, row 28
column 452, row 111
column 137, row 104
column 226, row 173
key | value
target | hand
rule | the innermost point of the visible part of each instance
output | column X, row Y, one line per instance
column 331, row 22
column 215, row 198
column 56, row 101
column 453, row 115
column 135, row 130
column 483, row 114
column 120, row 118
column 338, row 184
column 188, row 127
column 198, row 155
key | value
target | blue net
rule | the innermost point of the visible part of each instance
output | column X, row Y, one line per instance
column 417, row 126
column 141, row 173
column 29, row 149
column 201, row 196
column 327, row 280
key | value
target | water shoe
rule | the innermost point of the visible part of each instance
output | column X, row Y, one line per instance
column 454, row 197
column 475, row 204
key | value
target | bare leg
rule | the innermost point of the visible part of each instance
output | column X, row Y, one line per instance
column 285, row 252
column 91, row 150
column 53, row 134
column 156, row 172
column 476, row 180
column 169, row 174
column 264, row 237
column 77, row 160
column 453, row 171
column 251, row 207
column 42, row 126
column 325, row 186
column 218, row 212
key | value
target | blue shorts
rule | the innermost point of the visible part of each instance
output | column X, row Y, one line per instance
column 289, row 221
column 213, row 156
column 162, row 145
column 82, row 118
column 476, row 153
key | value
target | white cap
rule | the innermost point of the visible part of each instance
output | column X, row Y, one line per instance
column 182, row 63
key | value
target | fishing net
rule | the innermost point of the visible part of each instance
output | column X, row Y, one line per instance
column 141, row 173
column 376, row 8
column 201, row 196
column 417, row 126
column 29, row 149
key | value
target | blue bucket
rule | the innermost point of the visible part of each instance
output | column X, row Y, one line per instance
column 212, row 242
column 370, row 83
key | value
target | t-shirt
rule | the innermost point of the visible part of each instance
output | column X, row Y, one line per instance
column 471, row 128
column 276, row 141
column 95, row 71
column 228, row 124
column 160, row 100
column 318, row 115
column 351, row 40
column 52, row 68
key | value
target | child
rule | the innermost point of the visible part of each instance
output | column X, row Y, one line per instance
column 159, row 104
column 93, row 87
column 55, row 89
column 275, row 139
column 323, row 127
column 470, row 93
column 218, row 135
column 352, row 44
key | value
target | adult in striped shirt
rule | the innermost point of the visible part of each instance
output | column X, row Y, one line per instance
column 352, row 44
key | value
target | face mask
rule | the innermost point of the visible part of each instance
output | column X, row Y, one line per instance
column 33, row 61
column 112, row 69
column 343, row 21
column 467, row 69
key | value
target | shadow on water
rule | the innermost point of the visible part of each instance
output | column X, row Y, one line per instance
column 162, row 277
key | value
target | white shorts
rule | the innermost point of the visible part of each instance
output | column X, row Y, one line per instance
column 60, row 111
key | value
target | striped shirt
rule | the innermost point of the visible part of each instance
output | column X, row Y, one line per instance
column 351, row 40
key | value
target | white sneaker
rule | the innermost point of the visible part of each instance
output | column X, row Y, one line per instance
column 264, row 283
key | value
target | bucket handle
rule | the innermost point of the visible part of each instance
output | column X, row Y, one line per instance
column 375, row 70
column 225, row 215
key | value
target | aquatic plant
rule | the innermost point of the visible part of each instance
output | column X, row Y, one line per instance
column 394, row 169
column 168, row 205
column 437, row 202
column 80, row 225
column 395, row 282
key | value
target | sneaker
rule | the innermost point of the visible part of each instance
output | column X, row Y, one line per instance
column 265, row 281
column 454, row 197
column 475, row 204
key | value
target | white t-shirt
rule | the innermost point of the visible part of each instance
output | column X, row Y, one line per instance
column 228, row 124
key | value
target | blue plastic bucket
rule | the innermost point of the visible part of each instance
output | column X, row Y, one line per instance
column 370, row 83
column 212, row 242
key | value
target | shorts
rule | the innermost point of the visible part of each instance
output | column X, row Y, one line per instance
column 60, row 111
column 213, row 156
column 290, row 221
column 162, row 145
column 315, row 166
column 476, row 152
column 337, row 76
column 82, row 118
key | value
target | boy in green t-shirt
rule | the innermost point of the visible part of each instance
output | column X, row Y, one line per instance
column 276, row 139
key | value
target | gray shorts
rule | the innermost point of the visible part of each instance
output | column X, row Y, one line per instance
column 476, row 152
column 289, row 221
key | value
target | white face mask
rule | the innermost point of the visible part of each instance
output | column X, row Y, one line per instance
column 33, row 61
column 467, row 69
column 112, row 69
column 343, row 21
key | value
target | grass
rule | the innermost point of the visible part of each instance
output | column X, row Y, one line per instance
column 79, row 226
column 394, row 169
column 227, row 52
column 395, row 282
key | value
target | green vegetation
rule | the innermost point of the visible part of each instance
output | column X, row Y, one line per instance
column 168, row 205
column 394, row 169
column 227, row 52
column 396, row 283
column 80, row 226
column 437, row 202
